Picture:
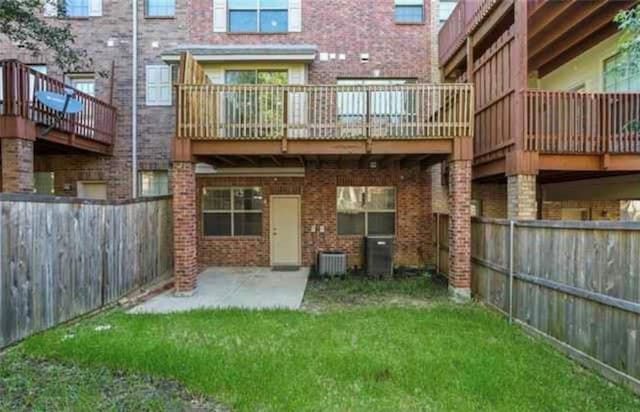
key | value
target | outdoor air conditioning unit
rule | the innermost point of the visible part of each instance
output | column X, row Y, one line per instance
column 332, row 263
column 378, row 252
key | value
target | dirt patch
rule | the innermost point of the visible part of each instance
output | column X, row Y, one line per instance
column 29, row 384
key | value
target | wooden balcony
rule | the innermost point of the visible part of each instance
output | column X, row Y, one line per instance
column 401, row 112
column 93, row 129
column 453, row 33
column 582, row 123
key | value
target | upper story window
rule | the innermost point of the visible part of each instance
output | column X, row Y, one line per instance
column 160, row 8
column 84, row 82
column 73, row 8
column 264, row 16
column 409, row 11
column 445, row 8
column 257, row 16
column 620, row 74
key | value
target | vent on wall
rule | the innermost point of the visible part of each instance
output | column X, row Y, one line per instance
column 364, row 57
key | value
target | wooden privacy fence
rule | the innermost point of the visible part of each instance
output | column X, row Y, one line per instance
column 575, row 283
column 61, row 258
column 207, row 111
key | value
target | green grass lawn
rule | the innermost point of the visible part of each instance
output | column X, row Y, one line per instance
column 362, row 347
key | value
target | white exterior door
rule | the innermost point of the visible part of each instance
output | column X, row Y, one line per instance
column 285, row 230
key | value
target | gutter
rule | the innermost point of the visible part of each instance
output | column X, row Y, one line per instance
column 134, row 103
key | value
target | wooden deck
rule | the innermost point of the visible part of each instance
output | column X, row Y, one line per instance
column 93, row 129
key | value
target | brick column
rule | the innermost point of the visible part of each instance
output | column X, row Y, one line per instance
column 17, row 165
column 521, row 197
column 183, row 182
column 460, row 229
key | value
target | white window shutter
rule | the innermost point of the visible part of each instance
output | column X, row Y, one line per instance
column 50, row 8
column 95, row 7
column 219, row 16
column 152, row 94
column 216, row 76
column 295, row 15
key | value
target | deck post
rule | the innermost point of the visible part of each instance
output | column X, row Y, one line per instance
column 185, row 239
column 460, row 220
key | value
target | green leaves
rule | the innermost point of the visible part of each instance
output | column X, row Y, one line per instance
column 22, row 22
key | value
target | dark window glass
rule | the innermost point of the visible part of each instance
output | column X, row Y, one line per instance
column 274, row 21
column 351, row 223
column 409, row 14
column 217, row 224
column 381, row 223
column 217, row 199
column 243, row 21
column 247, row 199
column 247, row 224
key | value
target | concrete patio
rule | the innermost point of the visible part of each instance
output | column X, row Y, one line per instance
column 235, row 287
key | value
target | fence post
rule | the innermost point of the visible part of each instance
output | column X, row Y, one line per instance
column 511, row 229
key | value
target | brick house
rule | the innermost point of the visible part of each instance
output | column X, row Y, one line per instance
column 555, row 108
column 294, row 127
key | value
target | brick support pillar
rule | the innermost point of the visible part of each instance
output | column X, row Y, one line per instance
column 521, row 197
column 17, row 165
column 460, row 229
column 183, row 181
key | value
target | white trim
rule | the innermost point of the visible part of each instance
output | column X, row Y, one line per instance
column 252, row 171
column 271, row 239
column 244, row 57
column 295, row 16
column 95, row 8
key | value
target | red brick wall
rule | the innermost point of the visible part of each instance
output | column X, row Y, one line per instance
column 340, row 26
column 184, row 228
column 318, row 191
column 493, row 198
column 17, row 165
column 460, row 224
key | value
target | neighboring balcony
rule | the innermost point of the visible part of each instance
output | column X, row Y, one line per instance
column 355, row 113
column 582, row 122
column 93, row 129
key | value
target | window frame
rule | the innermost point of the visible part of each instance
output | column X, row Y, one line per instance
column 258, row 11
column 158, row 16
column 72, row 78
column 626, row 78
column 406, row 5
column 77, row 16
column 231, row 211
column 154, row 172
column 365, row 210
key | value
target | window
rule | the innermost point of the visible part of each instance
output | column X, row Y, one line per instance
column 43, row 183
column 161, row 8
column 76, row 8
column 153, row 183
column 96, row 190
column 387, row 108
column 256, row 77
column 264, row 16
column 445, row 9
column 366, row 210
column 409, row 11
column 84, row 82
column 621, row 74
column 232, row 211
column 158, row 89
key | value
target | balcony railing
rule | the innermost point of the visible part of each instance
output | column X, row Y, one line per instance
column 455, row 29
column 577, row 122
column 409, row 111
column 18, row 86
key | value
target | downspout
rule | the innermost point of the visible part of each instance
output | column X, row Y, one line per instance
column 134, row 103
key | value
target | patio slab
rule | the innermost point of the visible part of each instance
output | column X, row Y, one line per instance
column 233, row 287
